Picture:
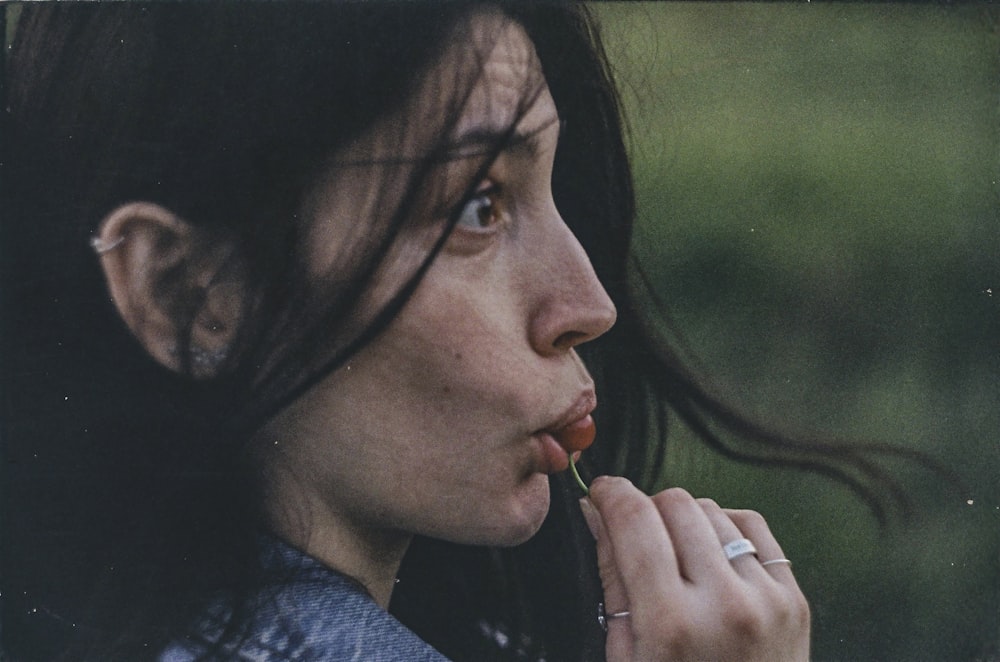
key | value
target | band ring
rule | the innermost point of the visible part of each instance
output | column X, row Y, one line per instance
column 603, row 617
column 737, row 548
column 775, row 562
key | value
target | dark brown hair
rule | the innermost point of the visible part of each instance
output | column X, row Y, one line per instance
column 225, row 113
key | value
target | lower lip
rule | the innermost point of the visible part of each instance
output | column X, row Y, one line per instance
column 554, row 458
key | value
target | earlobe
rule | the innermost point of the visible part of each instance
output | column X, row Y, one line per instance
column 165, row 283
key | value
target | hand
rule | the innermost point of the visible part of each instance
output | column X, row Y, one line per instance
column 661, row 559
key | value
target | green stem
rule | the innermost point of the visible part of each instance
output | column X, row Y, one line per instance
column 576, row 476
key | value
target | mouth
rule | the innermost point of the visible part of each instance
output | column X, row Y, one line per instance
column 571, row 432
column 581, row 409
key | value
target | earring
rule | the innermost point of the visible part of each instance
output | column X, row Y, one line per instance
column 100, row 247
column 204, row 360
column 208, row 359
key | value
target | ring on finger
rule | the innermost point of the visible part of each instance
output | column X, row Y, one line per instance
column 603, row 617
column 775, row 562
column 737, row 548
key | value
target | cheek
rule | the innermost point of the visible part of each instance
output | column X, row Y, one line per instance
column 468, row 357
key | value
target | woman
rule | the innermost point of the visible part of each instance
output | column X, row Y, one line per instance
column 365, row 247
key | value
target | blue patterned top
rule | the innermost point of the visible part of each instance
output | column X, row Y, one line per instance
column 304, row 612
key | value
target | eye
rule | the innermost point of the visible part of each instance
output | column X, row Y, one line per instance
column 481, row 212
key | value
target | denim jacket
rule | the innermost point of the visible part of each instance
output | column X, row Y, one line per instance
column 308, row 613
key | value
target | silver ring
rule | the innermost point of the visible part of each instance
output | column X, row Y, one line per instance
column 737, row 548
column 603, row 617
column 775, row 562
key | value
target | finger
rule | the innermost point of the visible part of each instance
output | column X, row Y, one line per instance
column 697, row 545
column 643, row 551
column 615, row 596
column 747, row 565
column 619, row 641
column 754, row 526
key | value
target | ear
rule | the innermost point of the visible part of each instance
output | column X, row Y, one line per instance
column 171, row 286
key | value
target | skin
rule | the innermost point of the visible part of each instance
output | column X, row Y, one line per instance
column 659, row 557
column 435, row 427
column 432, row 428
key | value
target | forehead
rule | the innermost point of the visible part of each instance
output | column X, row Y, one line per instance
column 488, row 79
column 498, row 55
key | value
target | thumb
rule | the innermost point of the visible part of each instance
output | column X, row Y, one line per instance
column 615, row 597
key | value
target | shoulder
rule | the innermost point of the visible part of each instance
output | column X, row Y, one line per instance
column 311, row 614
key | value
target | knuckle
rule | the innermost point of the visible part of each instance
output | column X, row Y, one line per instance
column 748, row 623
column 673, row 639
column 677, row 494
column 737, row 608
column 782, row 609
column 801, row 610
column 673, row 495
column 708, row 504
column 627, row 509
column 788, row 609
column 749, row 518
column 679, row 645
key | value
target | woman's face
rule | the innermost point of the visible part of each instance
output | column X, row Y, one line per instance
column 437, row 426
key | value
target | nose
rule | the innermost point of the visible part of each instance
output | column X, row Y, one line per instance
column 571, row 306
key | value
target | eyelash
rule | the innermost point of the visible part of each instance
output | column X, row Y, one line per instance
column 485, row 198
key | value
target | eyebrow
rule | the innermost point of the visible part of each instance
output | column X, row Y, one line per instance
column 475, row 141
column 481, row 140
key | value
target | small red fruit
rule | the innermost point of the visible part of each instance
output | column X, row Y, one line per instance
column 576, row 436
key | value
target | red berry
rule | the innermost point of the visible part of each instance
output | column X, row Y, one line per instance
column 576, row 436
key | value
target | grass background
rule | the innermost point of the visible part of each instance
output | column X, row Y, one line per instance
column 818, row 197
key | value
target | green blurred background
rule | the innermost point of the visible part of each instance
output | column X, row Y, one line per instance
column 818, row 197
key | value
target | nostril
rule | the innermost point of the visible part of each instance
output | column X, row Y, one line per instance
column 570, row 339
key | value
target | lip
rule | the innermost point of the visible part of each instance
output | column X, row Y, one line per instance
column 553, row 458
column 580, row 409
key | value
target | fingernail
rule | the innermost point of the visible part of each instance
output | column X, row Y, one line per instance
column 591, row 516
column 613, row 479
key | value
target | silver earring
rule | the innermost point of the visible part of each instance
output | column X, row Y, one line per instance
column 204, row 360
column 208, row 359
column 101, row 247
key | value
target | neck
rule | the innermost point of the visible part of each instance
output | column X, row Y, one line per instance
column 371, row 557
column 367, row 554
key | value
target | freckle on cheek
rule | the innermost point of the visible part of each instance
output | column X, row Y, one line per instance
column 458, row 356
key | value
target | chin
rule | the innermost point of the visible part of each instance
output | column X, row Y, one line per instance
column 509, row 521
column 526, row 512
